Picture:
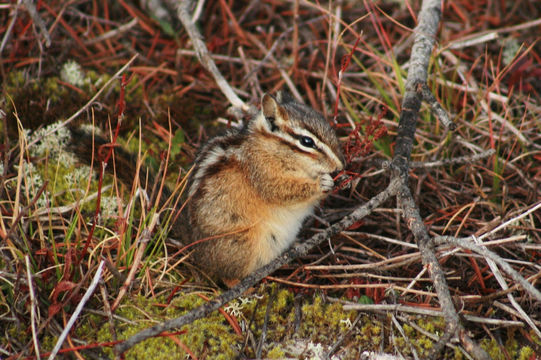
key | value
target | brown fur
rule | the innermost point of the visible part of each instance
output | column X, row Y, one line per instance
column 254, row 185
column 249, row 190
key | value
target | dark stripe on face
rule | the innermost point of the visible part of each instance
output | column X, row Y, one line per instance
column 298, row 137
column 293, row 147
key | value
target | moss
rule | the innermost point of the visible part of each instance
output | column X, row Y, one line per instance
column 493, row 349
column 434, row 325
column 331, row 319
column 322, row 324
column 421, row 342
column 276, row 353
column 47, row 343
column 458, row 354
column 212, row 336
column 512, row 348
column 526, row 353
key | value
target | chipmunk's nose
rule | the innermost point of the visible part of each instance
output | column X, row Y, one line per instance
column 341, row 164
column 335, row 162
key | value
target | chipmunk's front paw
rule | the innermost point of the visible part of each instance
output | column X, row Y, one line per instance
column 326, row 183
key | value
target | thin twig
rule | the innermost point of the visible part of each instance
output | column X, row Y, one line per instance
column 107, row 310
column 459, row 44
column 272, row 298
column 204, row 57
column 77, row 311
column 144, row 240
column 38, row 21
column 339, row 342
column 275, row 44
column 425, row 312
column 504, row 286
column 467, row 243
column 436, row 107
column 405, row 337
column 482, row 36
column 512, row 220
column 32, row 307
column 287, row 79
column 112, row 33
column 431, row 335
column 458, row 160
column 13, row 17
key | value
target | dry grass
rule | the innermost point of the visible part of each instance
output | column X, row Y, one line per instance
column 485, row 72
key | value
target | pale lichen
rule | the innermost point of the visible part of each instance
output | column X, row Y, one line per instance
column 72, row 73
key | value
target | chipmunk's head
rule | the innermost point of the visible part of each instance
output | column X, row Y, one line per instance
column 303, row 134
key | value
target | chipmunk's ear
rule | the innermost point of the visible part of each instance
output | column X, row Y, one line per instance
column 272, row 111
column 269, row 105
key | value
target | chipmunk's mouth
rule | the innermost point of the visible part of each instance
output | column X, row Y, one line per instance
column 335, row 173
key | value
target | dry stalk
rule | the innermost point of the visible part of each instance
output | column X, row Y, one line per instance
column 33, row 306
column 205, row 59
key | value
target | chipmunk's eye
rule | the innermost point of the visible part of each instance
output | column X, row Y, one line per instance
column 307, row 141
column 272, row 123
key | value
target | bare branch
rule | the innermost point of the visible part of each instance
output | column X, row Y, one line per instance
column 205, row 58
column 424, row 40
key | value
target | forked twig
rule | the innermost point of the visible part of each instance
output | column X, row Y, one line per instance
column 424, row 39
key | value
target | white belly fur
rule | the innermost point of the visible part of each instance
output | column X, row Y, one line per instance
column 284, row 224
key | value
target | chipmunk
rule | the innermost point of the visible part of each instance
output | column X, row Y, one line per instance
column 250, row 189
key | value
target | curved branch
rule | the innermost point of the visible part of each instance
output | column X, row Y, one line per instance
column 204, row 57
column 299, row 249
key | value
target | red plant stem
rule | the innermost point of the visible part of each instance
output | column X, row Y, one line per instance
column 345, row 63
column 121, row 107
